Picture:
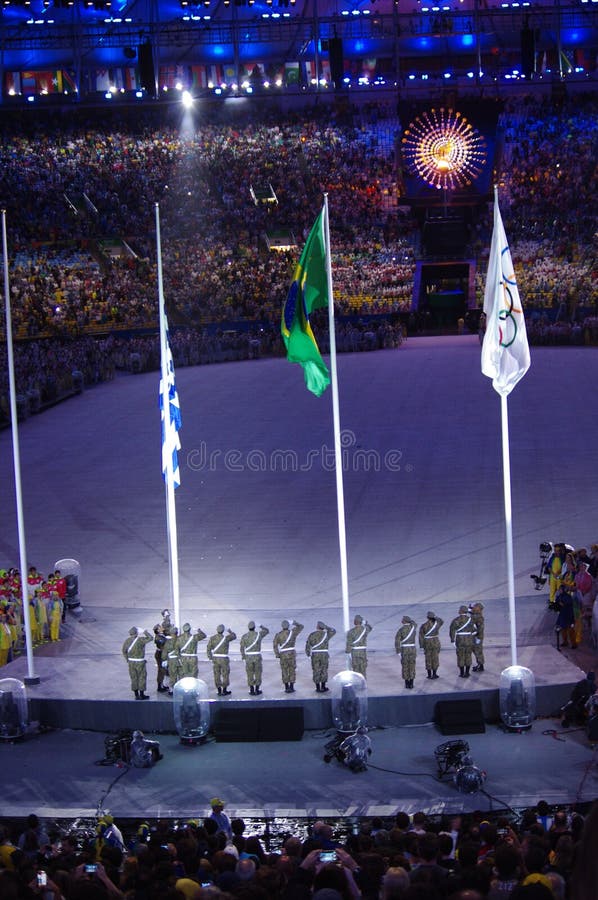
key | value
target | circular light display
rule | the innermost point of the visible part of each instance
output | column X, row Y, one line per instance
column 443, row 149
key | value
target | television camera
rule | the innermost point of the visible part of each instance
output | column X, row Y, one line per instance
column 546, row 551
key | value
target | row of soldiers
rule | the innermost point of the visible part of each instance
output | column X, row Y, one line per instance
column 176, row 653
column 466, row 632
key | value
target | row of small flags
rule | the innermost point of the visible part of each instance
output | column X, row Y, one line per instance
column 505, row 350
column 128, row 78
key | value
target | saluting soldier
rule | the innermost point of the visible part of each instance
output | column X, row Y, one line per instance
column 159, row 641
column 357, row 638
column 477, row 617
column 284, row 650
column 430, row 641
column 167, row 626
column 187, row 647
column 217, row 650
column 133, row 651
column 461, row 634
column 251, row 652
column 173, row 658
column 316, row 647
column 166, row 647
column 406, row 646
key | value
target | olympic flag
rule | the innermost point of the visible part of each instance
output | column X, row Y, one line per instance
column 505, row 351
column 505, row 359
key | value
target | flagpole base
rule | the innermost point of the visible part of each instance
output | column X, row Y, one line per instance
column 31, row 679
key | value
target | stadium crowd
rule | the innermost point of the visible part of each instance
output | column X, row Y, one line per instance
column 542, row 854
column 79, row 194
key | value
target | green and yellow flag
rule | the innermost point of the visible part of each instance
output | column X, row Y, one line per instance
column 308, row 291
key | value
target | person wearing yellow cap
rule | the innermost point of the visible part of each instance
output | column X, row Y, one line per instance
column 461, row 633
column 190, row 889
column 220, row 818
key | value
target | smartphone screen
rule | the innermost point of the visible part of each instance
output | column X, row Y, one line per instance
column 42, row 879
column 328, row 856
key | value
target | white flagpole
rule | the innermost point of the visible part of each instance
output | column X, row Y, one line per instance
column 171, row 526
column 338, row 458
column 31, row 677
column 506, row 468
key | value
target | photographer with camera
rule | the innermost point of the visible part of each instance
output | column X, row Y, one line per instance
column 91, row 880
column 333, row 870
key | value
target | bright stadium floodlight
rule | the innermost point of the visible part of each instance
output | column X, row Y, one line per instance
column 187, row 99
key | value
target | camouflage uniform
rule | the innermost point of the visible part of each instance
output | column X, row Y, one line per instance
column 462, row 631
column 173, row 658
column 430, row 641
column 357, row 639
column 284, row 650
column 169, row 642
column 217, row 651
column 159, row 641
column 316, row 647
column 133, row 651
column 167, row 627
column 477, row 617
column 187, row 648
column 251, row 652
column 405, row 645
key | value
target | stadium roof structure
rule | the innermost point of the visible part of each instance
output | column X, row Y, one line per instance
column 153, row 45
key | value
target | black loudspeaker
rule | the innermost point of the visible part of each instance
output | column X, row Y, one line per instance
column 280, row 724
column 268, row 723
column 528, row 52
column 145, row 55
column 335, row 55
column 233, row 724
column 459, row 717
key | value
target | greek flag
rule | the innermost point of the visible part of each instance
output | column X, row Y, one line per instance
column 171, row 424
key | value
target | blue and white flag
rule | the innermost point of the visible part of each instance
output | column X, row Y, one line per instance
column 505, row 351
column 170, row 426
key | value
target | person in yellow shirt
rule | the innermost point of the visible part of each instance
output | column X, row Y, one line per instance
column 6, row 638
column 55, row 618
column 554, row 566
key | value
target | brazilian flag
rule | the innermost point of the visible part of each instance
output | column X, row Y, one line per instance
column 308, row 291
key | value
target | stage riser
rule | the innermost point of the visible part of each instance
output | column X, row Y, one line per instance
column 156, row 715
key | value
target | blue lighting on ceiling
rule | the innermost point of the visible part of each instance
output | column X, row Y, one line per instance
column 218, row 50
column 467, row 40
column 423, row 42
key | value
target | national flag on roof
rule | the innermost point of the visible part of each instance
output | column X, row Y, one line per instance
column 172, row 422
column 308, row 291
column 505, row 350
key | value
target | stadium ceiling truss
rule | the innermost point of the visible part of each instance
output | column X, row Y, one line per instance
column 96, row 32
